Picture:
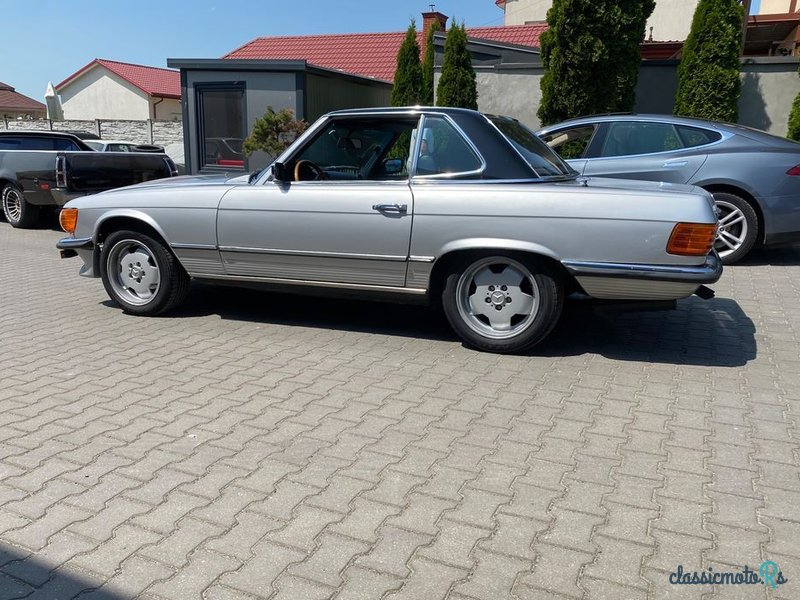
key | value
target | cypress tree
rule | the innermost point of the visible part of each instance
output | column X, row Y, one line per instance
column 590, row 54
column 708, row 76
column 457, row 85
column 794, row 120
column 407, row 88
column 427, row 66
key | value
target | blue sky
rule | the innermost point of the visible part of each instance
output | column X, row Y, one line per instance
column 148, row 31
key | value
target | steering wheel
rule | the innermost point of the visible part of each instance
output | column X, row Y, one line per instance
column 308, row 166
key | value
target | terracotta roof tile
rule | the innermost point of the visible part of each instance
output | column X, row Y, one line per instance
column 366, row 54
column 13, row 100
column 154, row 81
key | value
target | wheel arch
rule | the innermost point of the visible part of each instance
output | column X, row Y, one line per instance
column 744, row 195
column 454, row 253
column 128, row 219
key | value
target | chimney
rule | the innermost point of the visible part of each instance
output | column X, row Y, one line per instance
column 429, row 18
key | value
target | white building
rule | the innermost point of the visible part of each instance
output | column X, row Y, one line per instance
column 106, row 89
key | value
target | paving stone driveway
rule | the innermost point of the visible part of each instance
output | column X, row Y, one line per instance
column 256, row 445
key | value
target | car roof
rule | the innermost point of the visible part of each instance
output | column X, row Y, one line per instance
column 404, row 109
column 623, row 117
column 37, row 133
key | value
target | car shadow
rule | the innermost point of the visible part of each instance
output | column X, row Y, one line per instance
column 788, row 256
column 713, row 332
column 20, row 567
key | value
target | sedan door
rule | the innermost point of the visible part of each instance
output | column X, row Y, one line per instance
column 648, row 150
column 345, row 218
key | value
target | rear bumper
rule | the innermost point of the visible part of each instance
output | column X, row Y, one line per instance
column 621, row 281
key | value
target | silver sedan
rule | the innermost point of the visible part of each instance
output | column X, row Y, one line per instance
column 753, row 176
column 431, row 205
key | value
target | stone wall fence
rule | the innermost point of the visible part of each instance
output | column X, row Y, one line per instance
column 160, row 133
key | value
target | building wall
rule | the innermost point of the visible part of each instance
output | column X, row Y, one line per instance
column 671, row 19
column 769, row 86
column 99, row 94
column 324, row 94
column 774, row 7
column 165, row 109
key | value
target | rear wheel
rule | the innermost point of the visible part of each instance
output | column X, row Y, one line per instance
column 141, row 275
column 502, row 304
column 16, row 209
column 738, row 227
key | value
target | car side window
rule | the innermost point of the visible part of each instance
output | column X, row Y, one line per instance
column 571, row 143
column 634, row 138
column 694, row 136
column 357, row 149
column 443, row 150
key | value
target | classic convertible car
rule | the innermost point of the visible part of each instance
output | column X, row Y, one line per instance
column 434, row 204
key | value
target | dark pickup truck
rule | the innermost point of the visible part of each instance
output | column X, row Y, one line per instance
column 46, row 168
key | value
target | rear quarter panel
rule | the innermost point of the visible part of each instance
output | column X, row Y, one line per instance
column 565, row 221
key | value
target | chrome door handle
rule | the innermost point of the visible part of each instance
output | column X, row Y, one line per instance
column 400, row 209
column 675, row 164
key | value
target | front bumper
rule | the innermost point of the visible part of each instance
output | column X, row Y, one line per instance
column 83, row 247
column 623, row 281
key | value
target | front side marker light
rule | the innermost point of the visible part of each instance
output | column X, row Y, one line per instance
column 68, row 219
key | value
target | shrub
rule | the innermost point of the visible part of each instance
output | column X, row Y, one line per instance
column 591, row 57
column 274, row 132
column 709, row 82
column 407, row 87
column 457, row 85
column 426, row 97
column 794, row 120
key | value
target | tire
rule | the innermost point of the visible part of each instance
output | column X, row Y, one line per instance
column 141, row 275
column 738, row 227
column 18, row 212
column 479, row 301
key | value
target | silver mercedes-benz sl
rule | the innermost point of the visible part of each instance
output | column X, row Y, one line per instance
column 433, row 204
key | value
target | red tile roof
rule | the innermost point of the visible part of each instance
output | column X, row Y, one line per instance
column 14, row 101
column 366, row 54
column 154, row 81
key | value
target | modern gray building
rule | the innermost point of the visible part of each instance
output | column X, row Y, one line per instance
column 222, row 98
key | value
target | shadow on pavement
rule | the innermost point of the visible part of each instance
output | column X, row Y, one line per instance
column 700, row 332
column 24, row 573
column 788, row 256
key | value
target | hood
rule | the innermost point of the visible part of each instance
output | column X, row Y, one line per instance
column 187, row 181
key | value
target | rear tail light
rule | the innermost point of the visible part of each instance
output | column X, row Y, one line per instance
column 61, row 171
column 692, row 239
column 794, row 171
column 68, row 219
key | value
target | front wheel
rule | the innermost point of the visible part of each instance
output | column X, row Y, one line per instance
column 501, row 304
column 141, row 275
column 738, row 227
column 16, row 209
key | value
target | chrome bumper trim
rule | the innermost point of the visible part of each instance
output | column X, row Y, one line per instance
column 70, row 243
column 710, row 272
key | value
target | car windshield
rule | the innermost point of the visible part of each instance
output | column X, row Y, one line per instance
column 539, row 156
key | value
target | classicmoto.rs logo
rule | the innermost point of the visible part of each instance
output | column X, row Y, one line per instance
column 767, row 574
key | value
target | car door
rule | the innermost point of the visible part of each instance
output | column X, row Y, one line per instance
column 344, row 218
column 649, row 150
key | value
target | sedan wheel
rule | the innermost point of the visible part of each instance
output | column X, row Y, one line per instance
column 501, row 304
column 18, row 211
column 141, row 274
column 738, row 227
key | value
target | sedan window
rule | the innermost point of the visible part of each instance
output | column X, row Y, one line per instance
column 571, row 143
column 633, row 138
column 694, row 136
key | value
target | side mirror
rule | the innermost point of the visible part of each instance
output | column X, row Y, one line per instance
column 278, row 172
column 393, row 166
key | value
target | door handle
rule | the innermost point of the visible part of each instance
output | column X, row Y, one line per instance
column 399, row 209
column 675, row 164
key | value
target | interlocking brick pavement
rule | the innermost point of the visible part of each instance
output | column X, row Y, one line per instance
column 257, row 445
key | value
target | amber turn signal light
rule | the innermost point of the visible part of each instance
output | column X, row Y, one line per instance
column 68, row 219
column 692, row 239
